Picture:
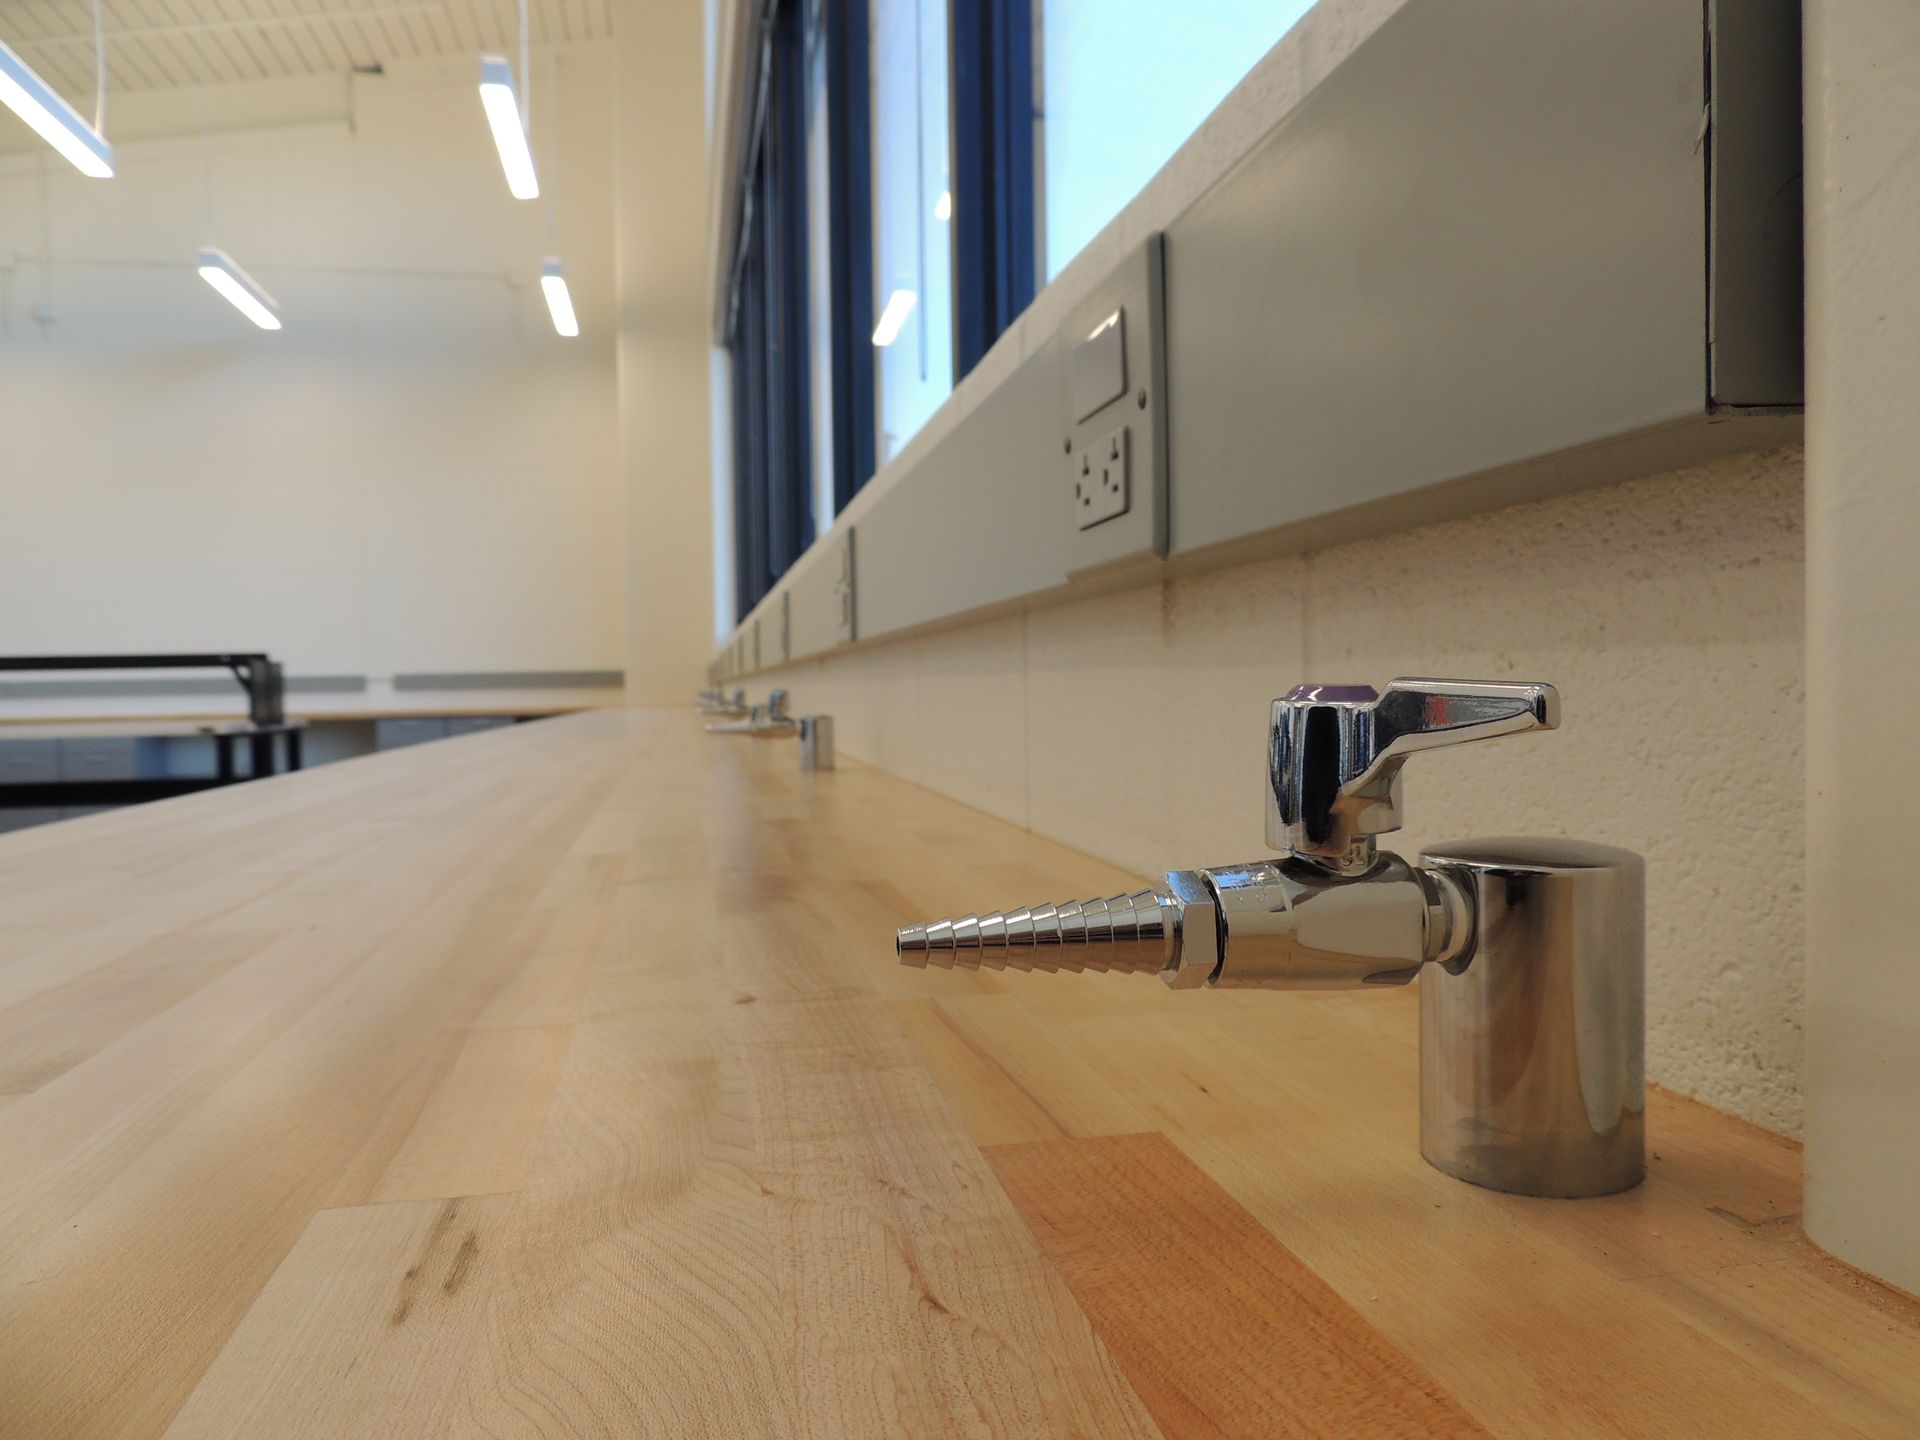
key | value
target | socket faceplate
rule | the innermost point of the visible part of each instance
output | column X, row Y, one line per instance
column 1101, row 492
column 1112, row 358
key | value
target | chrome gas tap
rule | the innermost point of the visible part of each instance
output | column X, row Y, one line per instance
column 1530, row 953
column 718, row 702
column 768, row 719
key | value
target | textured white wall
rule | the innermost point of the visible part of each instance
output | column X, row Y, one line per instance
column 1863, row 642
column 1668, row 610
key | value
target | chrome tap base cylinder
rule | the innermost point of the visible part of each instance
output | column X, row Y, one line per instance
column 1532, row 1048
column 816, row 742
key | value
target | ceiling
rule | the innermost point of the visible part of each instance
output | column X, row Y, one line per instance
column 165, row 44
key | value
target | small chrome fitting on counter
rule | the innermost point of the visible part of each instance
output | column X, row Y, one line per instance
column 763, row 720
column 1530, row 953
column 717, row 702
column 816, row 742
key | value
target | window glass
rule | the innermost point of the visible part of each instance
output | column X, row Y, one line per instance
column 819, row 272
column 912, row 251
column 1125, row 82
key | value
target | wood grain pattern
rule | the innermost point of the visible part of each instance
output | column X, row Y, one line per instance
column 521, row 1085
column 1539, row 1317
column 476, row 1132
column 383, row 1297
column 558, row 1081
column 1224, row 1333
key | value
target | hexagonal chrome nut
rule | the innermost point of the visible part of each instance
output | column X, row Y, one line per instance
column 1199, row 918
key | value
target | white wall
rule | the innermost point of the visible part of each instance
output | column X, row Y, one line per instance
column 1863, row 643
column 415, row 475
column 1668, row 610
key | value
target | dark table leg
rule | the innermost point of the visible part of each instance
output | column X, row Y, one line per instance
column 294, row 748
column 223, row 749
column 262, row 756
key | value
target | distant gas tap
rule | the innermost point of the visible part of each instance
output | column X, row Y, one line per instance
column 716, row 702
column 768, row 719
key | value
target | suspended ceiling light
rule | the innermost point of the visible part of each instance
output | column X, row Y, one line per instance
column 553, row 277
column 502, row 102
column 899, row 305
column 52, row 119
column 218, row 269
column 943, row 207
column 553, row 282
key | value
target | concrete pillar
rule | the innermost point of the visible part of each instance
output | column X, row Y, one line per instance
column 663, row 354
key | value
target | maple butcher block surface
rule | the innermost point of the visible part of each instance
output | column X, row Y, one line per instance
column 558, row 1081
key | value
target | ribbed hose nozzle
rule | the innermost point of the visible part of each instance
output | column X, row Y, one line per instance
column 1134, row 934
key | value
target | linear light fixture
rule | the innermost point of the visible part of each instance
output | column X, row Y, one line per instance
column 553, row 281
column 52, row 119
column 502, row 102
column 899, row 305
column 218, row 269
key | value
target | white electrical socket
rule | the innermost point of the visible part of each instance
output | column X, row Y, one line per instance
column 1100, row 483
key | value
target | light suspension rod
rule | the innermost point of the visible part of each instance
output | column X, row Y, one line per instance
column 51, row 118
column 240, row 289
column 502, row 103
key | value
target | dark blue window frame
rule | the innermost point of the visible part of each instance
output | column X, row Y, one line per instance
column 772, row 419
column 995, row 254
column 749, row 439
column 769, row 343
column 996, row 260
column 790, row 428
column 850, row 230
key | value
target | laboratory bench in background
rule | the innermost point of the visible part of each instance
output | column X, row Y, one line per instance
column 60, row 770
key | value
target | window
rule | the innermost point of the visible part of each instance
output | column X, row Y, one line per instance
column 772, row 393
column 912, row 209
column 994, row 222
column 850, row 236
column 913, row 170
column 1124, row 83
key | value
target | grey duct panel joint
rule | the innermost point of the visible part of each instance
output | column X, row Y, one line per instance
column 817, row 598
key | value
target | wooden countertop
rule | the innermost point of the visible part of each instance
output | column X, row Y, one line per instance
column 558, row 1081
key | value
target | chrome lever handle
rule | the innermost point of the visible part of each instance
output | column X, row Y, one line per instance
column 1335, row 753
